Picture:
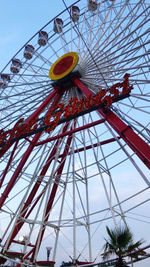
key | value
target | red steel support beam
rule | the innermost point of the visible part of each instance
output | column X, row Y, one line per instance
column 35, row 114
column 18, row 170
column 94, row 145
column 70, row 132
column 24, row 210
column 22, row 243
column 138, row 145
column 33, row 192
column 53, row 192
column 8, row 164
column 31, row 146
column 24, row 258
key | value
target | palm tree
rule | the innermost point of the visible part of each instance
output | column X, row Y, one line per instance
column 120, row 243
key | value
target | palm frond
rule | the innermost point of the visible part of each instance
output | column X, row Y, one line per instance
column 120, row 242
column 133, row 247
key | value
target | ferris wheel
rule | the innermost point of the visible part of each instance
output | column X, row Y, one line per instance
column 74, row 133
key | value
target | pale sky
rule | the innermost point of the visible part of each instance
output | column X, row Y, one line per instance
column 20, row 20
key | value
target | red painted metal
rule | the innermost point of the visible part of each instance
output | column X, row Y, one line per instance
column 28, row 254
column 94, row 145
column 54, row 190
column 63, row 65
column 33, row 192
column 125, row 132
column 18, row 170
column 70, row 132
column 8, row 164
column 21, row 243
column 24, row 210
column 138, row 145
column 24, row 258
column 34, row 115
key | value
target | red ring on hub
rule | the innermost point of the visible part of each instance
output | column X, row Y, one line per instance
column 63, row 65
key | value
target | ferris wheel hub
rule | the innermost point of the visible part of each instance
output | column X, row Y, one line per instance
column 63, row 66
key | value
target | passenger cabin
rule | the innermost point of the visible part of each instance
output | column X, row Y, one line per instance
column 58, row 25
column 15, row 66
column 92, row 5
column 28, row 52
column 74, row 13
column 4, row 80
column 43, row 38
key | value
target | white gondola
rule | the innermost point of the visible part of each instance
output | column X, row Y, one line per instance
column 92, row 5
column 74, row 13
column 58, row 25
column 28, row 52
column 4, row 80
column 16, row 65
column 43, row 38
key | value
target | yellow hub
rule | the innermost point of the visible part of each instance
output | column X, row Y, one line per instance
column 63, row 66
